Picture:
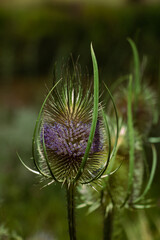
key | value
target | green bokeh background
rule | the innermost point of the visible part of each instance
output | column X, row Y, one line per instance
column 32, row 38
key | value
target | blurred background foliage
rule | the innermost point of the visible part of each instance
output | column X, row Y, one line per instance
column 33, row 36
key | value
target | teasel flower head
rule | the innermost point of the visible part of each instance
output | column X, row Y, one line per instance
column 65, row 129
column 118, row 183
column 144, row 98
column 143, row 112
column 71, row 130
column 135, row 162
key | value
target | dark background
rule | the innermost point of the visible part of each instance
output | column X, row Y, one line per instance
column 32, row 38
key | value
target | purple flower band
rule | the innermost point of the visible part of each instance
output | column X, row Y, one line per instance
column 70, row 139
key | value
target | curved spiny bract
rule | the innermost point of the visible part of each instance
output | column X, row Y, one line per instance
column 64, row 131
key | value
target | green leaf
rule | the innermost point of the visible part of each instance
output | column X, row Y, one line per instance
column 31, row 170
column 110, row 154
column 148, row 186
column 47, row 161
column 94, row 118
column 82, row 205
column 137, row 86
column 116, row 84
column 93, row 207
column 117, row 122
column 101, row 171
column 114, row 171
column 35, row 132
column 154, row 139
column 143, row 206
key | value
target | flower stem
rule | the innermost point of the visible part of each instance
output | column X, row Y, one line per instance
column 71, row 211
column 107, row 218
column 108, row 227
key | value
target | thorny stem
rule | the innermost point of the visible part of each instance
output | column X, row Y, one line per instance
column 108, row 226
column 71, row 210
column 107, row 220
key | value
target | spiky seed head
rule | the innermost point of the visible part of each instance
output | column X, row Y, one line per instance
column 65, row 129
column 143, row 113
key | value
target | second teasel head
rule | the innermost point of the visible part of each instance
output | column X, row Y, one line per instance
column 144, row 111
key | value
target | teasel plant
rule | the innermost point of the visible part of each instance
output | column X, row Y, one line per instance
column 127, row 189
column 70, row 132
column 137, row 106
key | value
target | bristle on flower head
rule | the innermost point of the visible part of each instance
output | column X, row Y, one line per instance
column 65, row 129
